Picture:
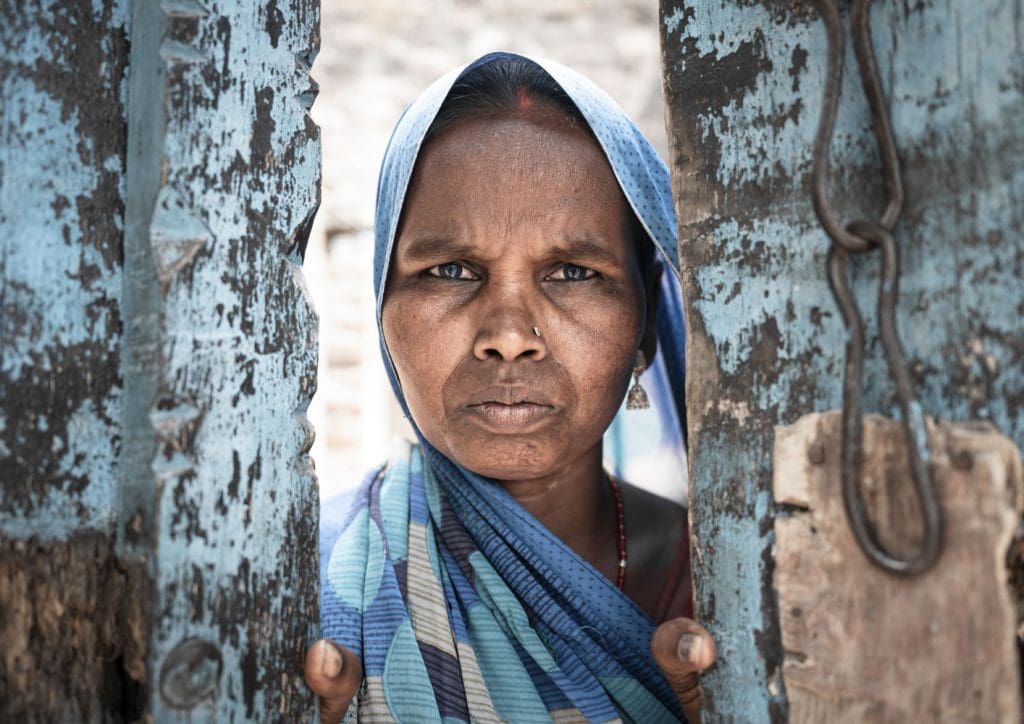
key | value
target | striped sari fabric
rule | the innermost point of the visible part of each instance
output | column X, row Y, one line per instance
column 464, row 608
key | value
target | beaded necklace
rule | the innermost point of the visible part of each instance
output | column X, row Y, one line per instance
column 620, row 514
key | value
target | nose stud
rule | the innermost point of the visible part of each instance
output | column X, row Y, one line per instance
column 536, row 331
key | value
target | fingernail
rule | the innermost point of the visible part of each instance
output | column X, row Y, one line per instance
column 330, row 660
column 689, row 648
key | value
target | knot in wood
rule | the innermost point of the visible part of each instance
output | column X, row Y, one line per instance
column 190, row 673
column 962, row 460
column 816, row 453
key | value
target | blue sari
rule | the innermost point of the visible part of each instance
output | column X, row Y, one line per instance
column 461, row 605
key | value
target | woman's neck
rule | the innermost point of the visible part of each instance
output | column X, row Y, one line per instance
column 576, row 505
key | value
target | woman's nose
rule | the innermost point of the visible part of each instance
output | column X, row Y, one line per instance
column 509, row 335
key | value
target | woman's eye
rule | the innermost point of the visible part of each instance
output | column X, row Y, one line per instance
column 572, row 273
column 451, row 270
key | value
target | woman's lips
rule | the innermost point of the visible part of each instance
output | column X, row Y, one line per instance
column 518, row 417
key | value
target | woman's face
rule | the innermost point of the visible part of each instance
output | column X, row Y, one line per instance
column 512, row 223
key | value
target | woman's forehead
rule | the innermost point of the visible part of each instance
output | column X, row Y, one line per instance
column 512, row 170
column 501, row 132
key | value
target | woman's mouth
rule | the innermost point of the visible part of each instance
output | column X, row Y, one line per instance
column 517, row 417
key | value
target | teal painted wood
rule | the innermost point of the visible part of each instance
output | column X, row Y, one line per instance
column 743, row 84
column 73, row 647
column 222, row 186
column 62, row 156
column 158, row 507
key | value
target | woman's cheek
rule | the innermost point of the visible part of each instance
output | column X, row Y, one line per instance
column 419, row 340
column 608, row 333
column 620, row 356
column 401, row 337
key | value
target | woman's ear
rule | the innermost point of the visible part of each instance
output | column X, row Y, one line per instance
column 649, row 341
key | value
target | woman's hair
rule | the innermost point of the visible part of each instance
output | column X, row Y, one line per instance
column 503, row 83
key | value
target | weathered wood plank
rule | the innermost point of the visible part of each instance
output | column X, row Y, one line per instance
column 223, row 182
column 71, row 624
column 62, row 157
column 869, row 646
column 157, row 355
column 765, row 343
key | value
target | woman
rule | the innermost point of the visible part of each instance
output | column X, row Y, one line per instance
column 495, row 571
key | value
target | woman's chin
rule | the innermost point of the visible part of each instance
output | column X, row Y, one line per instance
column 508, row 458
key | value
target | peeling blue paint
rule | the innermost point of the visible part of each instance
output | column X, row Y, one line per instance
column 60, row 279
column 766, row 342
column 68, row 605
column 671, row 22
column 226, row 188
column 157, row 353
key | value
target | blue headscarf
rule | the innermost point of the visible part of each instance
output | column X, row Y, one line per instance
column 460, row 603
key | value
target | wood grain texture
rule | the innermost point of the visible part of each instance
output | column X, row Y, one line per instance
column 765, row 341
column 865, row 646
column 73, row 631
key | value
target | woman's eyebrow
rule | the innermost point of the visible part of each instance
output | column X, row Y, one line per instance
column 578, row 248
column 431, row 248
column 584, row 248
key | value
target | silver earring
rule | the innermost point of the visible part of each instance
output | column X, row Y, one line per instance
column 637, row 397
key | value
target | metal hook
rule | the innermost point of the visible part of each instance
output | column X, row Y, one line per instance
column 860, row 237
column 913, row 421
column 879, row 121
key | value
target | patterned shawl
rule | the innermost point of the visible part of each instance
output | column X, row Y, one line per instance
column 462, row 606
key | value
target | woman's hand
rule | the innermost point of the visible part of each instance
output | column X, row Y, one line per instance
column 334, row 674
column 682, row 649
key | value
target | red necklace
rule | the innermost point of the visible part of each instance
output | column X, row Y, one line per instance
column 620, row 514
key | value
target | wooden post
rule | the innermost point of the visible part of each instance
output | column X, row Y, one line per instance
column 158, row 512
column 765, row 341
column 72, row 631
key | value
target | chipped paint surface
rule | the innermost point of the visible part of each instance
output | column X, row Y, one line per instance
column 62, row 161
column 157, row 357
column 223, row 181
column 74, row 643
column 766, row 342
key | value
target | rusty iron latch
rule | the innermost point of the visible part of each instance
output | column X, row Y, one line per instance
column 856, row 238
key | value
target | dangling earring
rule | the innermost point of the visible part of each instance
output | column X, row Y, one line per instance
column 637, row 397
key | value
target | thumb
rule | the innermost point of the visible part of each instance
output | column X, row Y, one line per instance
column 682, row 648
column 334, row 674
